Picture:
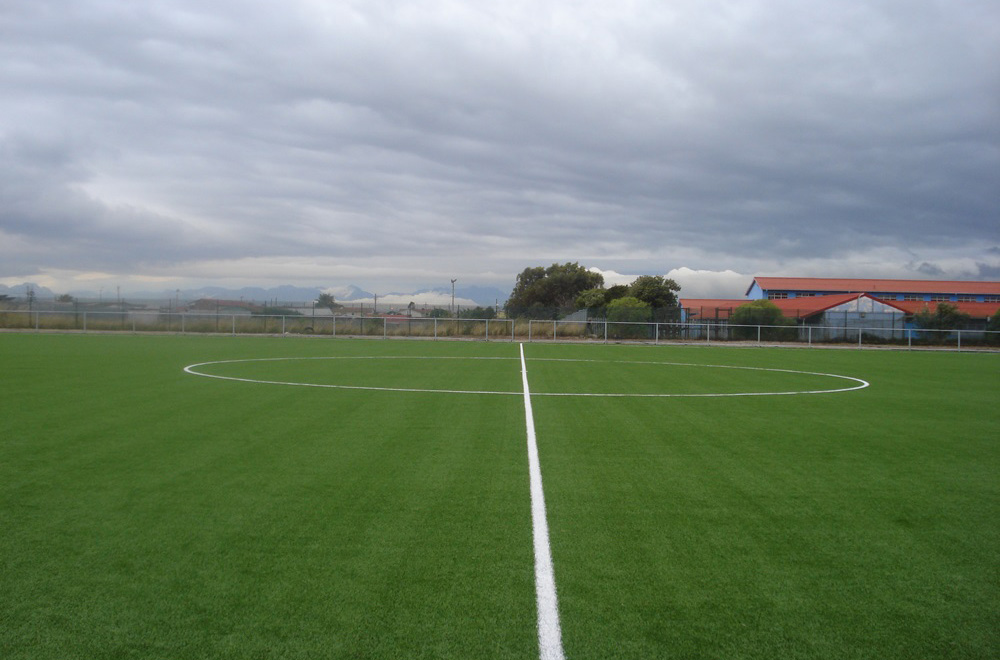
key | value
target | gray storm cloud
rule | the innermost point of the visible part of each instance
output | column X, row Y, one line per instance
column 407, row 142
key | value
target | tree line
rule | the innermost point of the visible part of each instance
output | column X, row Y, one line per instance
column 560, row 289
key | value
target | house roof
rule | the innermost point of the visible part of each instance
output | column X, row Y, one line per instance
column 711, row 308
column 806, row 306
column 976, row 310
column 875, row 286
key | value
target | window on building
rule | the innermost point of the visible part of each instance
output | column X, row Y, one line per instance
column 991, row 298
column 777, row 295
column 912, row 296
column 939, row 297
column 966, row 298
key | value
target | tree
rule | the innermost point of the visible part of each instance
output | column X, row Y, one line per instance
column 632, row 312
column 550, row 290
column 438, row 313
column 65, row 298
column 654, row 290
column 945, row 317
column 615, row 292
column 591, row 299
column 478, row 313
column 993, row 326
column 628, row 310
column 760, row 312
column 326, row 300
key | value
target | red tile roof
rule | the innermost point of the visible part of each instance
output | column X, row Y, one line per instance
column 805, row 306
column 875, row 286
column 711, row 308
column 976, row 310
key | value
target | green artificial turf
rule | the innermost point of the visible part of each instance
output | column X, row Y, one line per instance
column 856, row 525
column 147, row 513
column 150, row 513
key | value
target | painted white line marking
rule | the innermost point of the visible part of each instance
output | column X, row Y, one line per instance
column 194, row 370
column 549, row 632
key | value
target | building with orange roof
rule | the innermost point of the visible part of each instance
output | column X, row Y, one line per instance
column 887, row 305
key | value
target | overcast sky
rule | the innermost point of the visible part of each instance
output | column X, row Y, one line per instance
column 398, row 145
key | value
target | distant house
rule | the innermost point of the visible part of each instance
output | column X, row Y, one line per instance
column 980, row 300
column 880, row 306
column 709, row 310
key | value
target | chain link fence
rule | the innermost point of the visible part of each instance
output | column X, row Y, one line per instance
column 848, row 331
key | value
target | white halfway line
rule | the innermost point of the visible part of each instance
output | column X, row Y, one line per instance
column 549, row 633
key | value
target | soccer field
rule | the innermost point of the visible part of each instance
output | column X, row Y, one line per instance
column 266, row 497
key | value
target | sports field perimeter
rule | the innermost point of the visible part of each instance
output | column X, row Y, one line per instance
column 265, row 497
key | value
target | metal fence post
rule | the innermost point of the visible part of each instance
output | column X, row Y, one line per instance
column 553, row 330
column 384, row 327
column 605, row 331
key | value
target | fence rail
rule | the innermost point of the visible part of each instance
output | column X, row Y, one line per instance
column 489, row 329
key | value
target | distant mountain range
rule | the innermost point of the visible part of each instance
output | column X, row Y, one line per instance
column 484, row 296
column 21, row 290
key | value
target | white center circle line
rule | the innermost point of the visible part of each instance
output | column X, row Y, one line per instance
column 199, row 369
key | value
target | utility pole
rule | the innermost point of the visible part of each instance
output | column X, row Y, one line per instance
column 453, row 297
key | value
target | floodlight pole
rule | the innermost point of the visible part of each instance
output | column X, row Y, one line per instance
column 453, row 297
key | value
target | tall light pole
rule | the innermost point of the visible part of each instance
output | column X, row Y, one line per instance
column 453, row 297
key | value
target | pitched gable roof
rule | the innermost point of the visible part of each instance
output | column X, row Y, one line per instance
column 802, row 307
column 805, row 306
column 976, row 310
column 875, row 286
column 711, row 308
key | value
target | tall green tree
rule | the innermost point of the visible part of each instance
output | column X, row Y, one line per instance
column 628, row 309
column 764, row 313
column 615, row 292
column 945, row 317
column 551, row 290
column 630, row 317
column 591, row 299
column 655, row 290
